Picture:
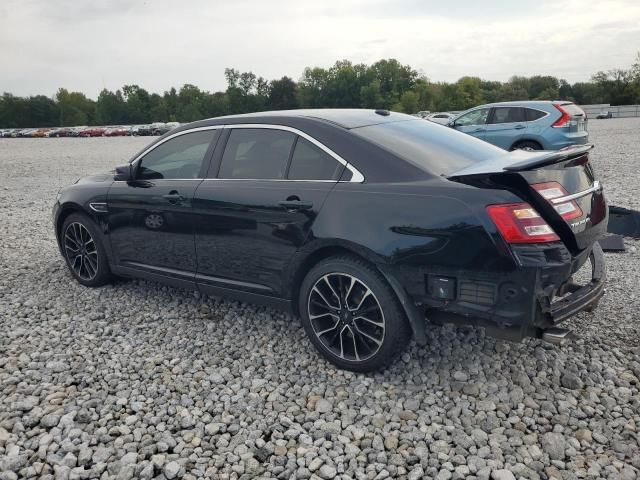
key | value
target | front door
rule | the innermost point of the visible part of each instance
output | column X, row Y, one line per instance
column 151, row 216
column 260, row 207
column 473, row 122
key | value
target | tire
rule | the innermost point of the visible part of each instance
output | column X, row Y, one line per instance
column 91, row 266
column 366, row 344
column 527, row 145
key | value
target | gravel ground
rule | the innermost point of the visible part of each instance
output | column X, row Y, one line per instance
column 138, row 380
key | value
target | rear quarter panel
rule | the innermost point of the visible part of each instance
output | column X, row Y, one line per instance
column 409, row 229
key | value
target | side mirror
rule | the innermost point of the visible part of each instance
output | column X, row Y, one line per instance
column 123, row 172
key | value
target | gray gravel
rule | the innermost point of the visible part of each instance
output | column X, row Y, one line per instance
column 138, row 380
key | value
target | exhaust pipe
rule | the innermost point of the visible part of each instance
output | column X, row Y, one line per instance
column 556, row 335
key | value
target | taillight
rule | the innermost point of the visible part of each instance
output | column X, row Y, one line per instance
column 520, row 223
column 551, row 191
column 565, row 118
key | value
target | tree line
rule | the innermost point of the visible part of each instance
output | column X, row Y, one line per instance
column 384, row 84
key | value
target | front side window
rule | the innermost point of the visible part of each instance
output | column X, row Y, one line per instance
column 256, row 153
column 178, row 158
column 475, row 117
column 508, row 115
column 311, row 163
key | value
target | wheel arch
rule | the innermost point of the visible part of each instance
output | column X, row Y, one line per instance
column 301, row 266
column 526, row 139
column 67, row 209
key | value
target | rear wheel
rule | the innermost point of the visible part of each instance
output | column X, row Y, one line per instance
column 351, row 314
column 84, row 251
column 527, row 145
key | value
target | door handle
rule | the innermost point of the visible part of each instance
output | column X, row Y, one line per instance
column 477, row 130
column 296, row 205
column 519, row 127
column 174, row 197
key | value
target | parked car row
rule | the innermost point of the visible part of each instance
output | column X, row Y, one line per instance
column 157, row 128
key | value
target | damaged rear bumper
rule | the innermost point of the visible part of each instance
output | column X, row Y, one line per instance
column 528, row 301
column 580, row 298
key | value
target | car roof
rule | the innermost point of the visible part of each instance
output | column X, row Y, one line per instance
column 524, row 103
column 343, row 117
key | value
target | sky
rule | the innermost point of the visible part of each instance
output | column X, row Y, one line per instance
column 90, row 45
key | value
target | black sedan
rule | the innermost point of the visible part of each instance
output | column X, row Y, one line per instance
column 368, row 225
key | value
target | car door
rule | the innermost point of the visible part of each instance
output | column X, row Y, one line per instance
column 259, row 206
column 506, row 126
column 473, row 122
column 150, row 217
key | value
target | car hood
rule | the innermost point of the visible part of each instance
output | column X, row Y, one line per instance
column 100, row 178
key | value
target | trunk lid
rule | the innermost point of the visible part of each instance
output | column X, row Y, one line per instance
column 560, row 185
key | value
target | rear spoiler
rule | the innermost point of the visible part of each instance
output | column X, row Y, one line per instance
column 520, row 160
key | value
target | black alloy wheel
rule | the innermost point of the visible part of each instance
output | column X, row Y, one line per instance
column 346, row 316
column 84, row 252
column 81, row 251
column 351, row 314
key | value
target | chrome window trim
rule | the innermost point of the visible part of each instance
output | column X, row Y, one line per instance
column 356, row 176
column 567, row 198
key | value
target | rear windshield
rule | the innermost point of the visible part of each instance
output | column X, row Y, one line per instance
column 572, row 109
column 434, row 148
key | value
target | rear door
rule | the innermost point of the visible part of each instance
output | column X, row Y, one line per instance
column 506, row 126
column 258, row 207
column 473, row 122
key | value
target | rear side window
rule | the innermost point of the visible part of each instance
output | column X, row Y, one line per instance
column 256, row 153
column 438, row 150
column 507, row 115
column 311, row 163
column 532, row 114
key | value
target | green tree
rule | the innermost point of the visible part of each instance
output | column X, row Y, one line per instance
column 74, row 108
column 384, row 84
column 283, row 94
column 111, row 108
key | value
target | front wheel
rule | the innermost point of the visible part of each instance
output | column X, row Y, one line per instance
column 351, row 315
column 84, row 251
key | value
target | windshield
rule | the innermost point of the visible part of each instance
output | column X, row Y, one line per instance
column 435, row 148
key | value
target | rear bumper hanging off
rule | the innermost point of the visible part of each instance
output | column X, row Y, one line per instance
column 582, row 297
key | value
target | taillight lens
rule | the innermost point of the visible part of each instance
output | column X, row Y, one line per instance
column 565, row 118
column 520, row 223
column 552, row 190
